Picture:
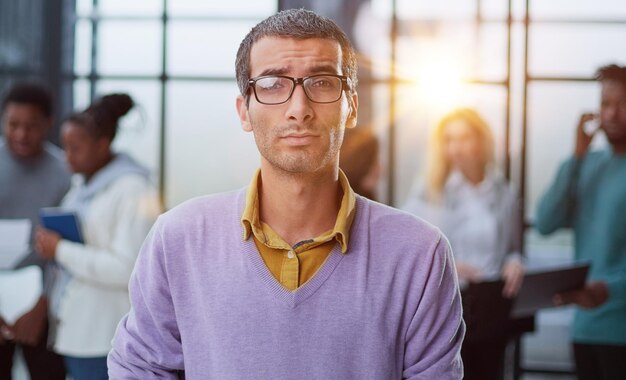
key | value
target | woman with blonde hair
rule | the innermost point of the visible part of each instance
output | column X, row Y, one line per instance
column 478, row 210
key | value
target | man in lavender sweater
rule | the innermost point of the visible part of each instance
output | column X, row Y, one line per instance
column 295, row 277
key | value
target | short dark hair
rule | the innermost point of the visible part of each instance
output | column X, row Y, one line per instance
column 298, row 24
column 612, row 72
column 29, row 93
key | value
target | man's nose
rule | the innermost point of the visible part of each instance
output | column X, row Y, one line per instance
column 299, row 105
column 21, row 132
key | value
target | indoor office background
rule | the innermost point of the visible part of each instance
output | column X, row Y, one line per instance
column 527, row 66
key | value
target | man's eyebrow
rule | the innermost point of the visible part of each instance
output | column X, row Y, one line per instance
column 324, row 69
column 274, row 71
column 320, row 69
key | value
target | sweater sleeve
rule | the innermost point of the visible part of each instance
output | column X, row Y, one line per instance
column 617, row 286
column 147, row 343
column 113, row 264
column 555, row 207
column 435, row 334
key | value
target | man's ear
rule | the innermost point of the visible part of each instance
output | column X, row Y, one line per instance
column 242, row 111
column 354, row 106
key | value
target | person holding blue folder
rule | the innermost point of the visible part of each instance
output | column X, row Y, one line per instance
column 116, row 204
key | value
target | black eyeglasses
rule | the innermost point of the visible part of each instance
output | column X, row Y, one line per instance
column 277, row 89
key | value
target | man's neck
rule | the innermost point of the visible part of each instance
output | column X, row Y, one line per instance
column 299, row 206
column 620, row 147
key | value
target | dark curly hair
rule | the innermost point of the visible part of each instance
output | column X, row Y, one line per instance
column 612, row 72
column 102, row 116
column 29, row 93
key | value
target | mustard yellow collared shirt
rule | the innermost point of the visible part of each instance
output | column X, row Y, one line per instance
column 293, row 266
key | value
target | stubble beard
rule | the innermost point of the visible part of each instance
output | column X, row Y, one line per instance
column 300, row 160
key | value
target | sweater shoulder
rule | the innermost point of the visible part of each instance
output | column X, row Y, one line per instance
column 214, row 209
column 398, row 225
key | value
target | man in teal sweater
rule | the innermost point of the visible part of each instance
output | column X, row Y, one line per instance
column 589, row 195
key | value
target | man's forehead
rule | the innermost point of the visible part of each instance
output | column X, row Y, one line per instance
column 286, row 53
column 23, row 109
column 613, row 87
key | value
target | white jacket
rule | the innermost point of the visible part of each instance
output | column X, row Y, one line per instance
column 115, row 224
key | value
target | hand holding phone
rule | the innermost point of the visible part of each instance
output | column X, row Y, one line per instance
column 592, row 126
column 588, row 125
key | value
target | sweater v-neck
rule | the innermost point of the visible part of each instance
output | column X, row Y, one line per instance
column 291, row 298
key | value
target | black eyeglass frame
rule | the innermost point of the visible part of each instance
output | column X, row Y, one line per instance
column 345, row 86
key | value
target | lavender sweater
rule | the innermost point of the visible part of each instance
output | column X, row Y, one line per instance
column 205, row 306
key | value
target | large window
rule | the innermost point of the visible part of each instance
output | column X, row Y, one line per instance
column 176, row 59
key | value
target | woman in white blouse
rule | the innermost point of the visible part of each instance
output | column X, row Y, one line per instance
column 478, row 210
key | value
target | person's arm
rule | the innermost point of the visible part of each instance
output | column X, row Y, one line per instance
column 556, row 208
column 435, row 334
column 135, row 212
column 5, row 331
column 29, row 328
column 147, row 343
column 513, row 265
column 595, row 293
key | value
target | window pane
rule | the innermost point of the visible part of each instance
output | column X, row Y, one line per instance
column 494, row 9
column 372, row 40
column 446, row 9
column 82, row 47
column 138, row 132
column 554, row 110
column 463, row 50
column 82, row 89
column 130, row 8
column 379, row 123
column 207, row 151
column 203, row 48
column 129, row 47
column 84, row 7
column 491, row 47
column 580, row 9
column 232, row 8
column 574, row 50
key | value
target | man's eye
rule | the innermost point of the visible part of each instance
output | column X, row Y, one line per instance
column 321, row 83
column 271, row 85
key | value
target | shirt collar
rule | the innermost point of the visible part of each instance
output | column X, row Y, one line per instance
column 251, row 222
column 457, row 181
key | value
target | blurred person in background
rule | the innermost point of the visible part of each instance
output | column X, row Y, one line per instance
column 359, row 161
column 589, row 195
column 116, row 203
column 479, row 211
column 33, row 175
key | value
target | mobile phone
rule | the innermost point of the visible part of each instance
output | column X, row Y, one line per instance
column 591, row 126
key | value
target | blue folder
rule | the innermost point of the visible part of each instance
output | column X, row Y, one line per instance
column 64, row 222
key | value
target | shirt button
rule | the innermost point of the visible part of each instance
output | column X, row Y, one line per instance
column 291, row 255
